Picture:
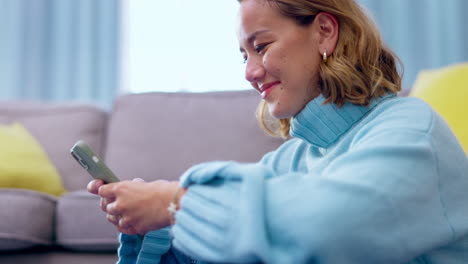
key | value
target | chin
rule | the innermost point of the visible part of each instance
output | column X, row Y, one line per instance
column 278, row 114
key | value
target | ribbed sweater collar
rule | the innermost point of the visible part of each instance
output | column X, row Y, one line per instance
column 323, row 124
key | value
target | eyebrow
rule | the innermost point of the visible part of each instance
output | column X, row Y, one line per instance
column 253, row 36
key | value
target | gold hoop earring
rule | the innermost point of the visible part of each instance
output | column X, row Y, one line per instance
column 325, row 55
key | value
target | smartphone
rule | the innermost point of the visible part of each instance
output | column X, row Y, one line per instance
column 85, row 156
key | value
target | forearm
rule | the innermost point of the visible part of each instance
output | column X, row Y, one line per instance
column 239, row 212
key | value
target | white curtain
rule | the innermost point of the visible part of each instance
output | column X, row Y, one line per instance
column 57, row 50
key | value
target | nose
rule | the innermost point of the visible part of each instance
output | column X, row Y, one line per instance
column 254, row 70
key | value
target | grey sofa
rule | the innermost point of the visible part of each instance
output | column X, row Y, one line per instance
column 150, row 135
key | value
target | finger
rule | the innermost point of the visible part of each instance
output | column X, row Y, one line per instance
column 138, row 180
column 104, row 202
column 113, row 209
column 93, row 186
column 129, row 231
column 126, row 227
column 114, row 219
column 107, row 190
column 123, row 223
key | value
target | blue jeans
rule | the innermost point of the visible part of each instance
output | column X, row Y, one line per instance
column 174, row 256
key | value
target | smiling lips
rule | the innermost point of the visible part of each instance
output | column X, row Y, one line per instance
column 266, row 88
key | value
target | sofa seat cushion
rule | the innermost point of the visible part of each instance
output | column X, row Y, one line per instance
column 27, row 219
column 82, row 226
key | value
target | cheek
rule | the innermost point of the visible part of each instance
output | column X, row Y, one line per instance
column 274, row 61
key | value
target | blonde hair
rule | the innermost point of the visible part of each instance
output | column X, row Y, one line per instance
column 360, row 68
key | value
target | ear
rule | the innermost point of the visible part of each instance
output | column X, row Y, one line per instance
column 328, row 28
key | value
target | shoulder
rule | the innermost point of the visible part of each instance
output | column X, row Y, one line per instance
column 396, row 121
column 405, row 121
column 402, row 113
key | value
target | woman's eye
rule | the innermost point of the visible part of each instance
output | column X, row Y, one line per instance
column 244, row 59
column 259, row 48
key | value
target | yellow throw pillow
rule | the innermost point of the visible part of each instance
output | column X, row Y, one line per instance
column 446, row 90
column 24, row 164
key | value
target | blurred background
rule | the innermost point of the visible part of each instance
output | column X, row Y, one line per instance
column 93, row 50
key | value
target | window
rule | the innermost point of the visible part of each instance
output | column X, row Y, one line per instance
column 182, row 45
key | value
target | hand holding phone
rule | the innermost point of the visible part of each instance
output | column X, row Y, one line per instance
column 91, row 163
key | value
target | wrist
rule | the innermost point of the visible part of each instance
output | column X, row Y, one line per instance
column 174, row 204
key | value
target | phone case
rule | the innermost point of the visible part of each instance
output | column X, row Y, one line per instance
column 90, row 162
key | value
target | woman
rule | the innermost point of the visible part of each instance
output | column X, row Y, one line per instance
column 367, row 178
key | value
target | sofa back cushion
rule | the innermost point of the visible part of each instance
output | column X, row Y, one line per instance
column 57, row 126
column 160, row 135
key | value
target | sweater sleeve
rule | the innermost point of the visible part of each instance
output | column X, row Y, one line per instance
column 130, row 246
column 135, row 249
column 379, row 203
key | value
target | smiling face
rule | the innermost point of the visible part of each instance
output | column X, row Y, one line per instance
column 282, row 57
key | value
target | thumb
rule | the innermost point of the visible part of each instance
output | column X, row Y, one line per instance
column 94, row 185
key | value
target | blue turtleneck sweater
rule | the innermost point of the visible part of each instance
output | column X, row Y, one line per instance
column 387, row 183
